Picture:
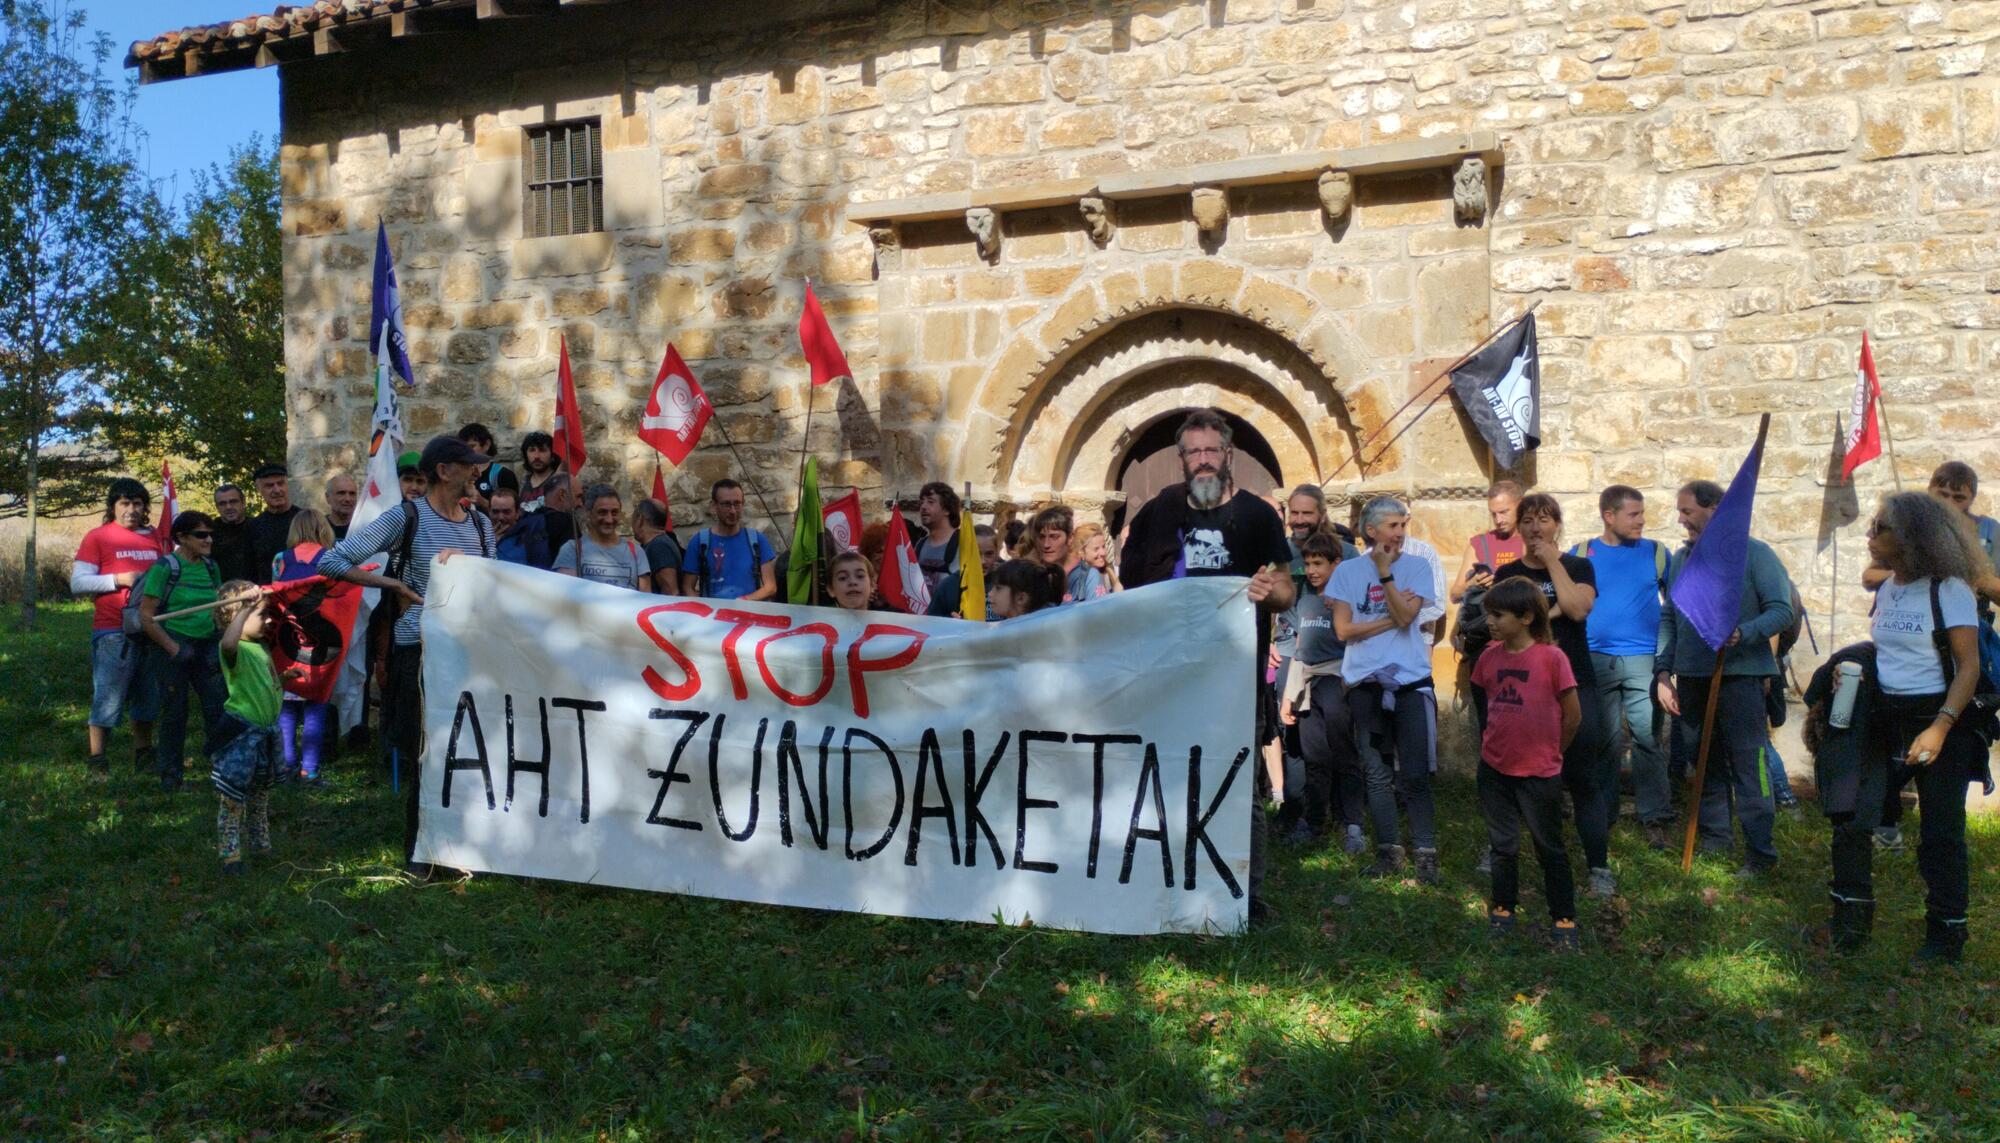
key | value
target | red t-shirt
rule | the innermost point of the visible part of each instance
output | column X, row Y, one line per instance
column 115, row 550
column 1523, row 708
column 1493, row 551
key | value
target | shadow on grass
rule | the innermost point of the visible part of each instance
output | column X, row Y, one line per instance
column 324, row 995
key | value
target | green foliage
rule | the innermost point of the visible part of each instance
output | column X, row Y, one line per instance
column 190, row 343
column 65, row 180
column 324, row 996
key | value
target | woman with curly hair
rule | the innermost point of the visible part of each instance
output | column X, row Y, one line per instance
column 1927, row 726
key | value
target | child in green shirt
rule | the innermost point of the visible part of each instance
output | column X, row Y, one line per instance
column 244, row 760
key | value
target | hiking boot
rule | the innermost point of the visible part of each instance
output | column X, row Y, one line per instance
column 1388, row 861
column 1602, row 884
column 1354, row 844
column 1499, row 923
column 1299, row 834
column 1889, row 838
column 99, row 765
column 1944, row 943
column 1564, row 938
column 1485, row 866
column 1427, row 867
column 1659, row 835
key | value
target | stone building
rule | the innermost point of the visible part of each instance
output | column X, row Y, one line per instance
column 1044, row 227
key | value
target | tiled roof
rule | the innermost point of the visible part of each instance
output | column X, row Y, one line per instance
column 236, row 43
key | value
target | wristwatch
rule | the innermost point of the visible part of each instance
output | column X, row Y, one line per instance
column 1390, row 578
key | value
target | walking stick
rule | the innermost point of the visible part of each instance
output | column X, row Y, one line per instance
column 1701, row 762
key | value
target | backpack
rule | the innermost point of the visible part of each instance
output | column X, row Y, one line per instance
column 1979, row 714
column 129, row 620
column 1582, row 551
column 1471, row 635
column 701, row 546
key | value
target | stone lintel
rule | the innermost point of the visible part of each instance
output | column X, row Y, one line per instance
column 1378, row 159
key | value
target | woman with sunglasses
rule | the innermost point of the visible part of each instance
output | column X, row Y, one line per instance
column 187, row 655
column 1925, row 633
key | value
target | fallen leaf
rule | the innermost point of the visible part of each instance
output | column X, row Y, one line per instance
column 1539, row 1043
column 139, row 1042
column 1710, row 896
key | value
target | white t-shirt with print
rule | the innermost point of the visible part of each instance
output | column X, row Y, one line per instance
column 1906, row 657
column 1400, row 655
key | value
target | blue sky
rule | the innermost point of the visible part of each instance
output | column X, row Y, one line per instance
column 189, row 123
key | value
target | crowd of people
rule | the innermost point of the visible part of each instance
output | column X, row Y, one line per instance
column 1576, row 662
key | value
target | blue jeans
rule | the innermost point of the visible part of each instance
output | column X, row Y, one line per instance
column 1625, row 699
column 200, row 671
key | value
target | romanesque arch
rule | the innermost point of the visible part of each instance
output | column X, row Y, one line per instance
column 1062, row 403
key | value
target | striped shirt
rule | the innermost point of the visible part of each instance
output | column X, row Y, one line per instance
column 434, row 534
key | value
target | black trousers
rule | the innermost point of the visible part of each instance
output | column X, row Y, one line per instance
column 1507, row 803
column 403, row 725
column 1942, row 859
column 1334, row 781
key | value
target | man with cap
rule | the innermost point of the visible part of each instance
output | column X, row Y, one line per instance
column 269, row 530
column 411, row 476
column 434, row 525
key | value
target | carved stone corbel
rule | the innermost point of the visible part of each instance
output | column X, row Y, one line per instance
column 1336, row 194
column 888, row 246
column 1097, row 220
column 985, row 228
column 1468, row 189
column 1211, row 212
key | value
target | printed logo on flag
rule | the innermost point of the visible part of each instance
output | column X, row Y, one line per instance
column 677, row 411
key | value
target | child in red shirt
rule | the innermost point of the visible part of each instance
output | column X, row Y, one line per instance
column 1532, row 714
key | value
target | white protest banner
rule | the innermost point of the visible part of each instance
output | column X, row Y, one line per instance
column 1087, row 767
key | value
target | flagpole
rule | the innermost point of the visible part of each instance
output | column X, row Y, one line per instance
column 1889, row 440
column 1700, row 775
column 1423, row 389
column 805, row 446
column 745, row 465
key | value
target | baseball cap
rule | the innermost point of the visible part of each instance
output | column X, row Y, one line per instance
column 449, row 450
column 406, row 464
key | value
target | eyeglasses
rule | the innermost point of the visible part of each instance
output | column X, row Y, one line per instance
column 1199, row 452
column 204, row 534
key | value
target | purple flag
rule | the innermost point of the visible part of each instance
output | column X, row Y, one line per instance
column 1709, row 592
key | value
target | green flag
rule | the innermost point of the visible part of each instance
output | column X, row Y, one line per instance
column 802, row 576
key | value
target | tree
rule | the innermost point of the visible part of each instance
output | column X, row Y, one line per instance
column 64, row 180
column 190, row 342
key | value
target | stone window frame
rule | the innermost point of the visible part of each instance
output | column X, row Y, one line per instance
column 538, row 144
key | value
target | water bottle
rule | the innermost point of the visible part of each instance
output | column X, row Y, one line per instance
column 1846, row 687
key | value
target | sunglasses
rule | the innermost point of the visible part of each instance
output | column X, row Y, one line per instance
column 204, row 534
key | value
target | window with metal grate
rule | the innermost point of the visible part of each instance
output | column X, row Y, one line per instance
column 564, row 179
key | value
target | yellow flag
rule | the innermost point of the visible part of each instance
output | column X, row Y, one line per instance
column 971, row 573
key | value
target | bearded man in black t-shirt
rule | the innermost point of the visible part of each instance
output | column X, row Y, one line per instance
column 1207, row 526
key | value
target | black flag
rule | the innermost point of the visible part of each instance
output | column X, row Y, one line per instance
column 1501, row 389
column 1838, row 506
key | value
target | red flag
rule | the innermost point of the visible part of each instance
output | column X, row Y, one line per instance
column 822, row 352
column 1864, row 436
column 660, row 494
column 170, row 504
column 677, row 411
column 903, row 586
column 843, row 520
column 569, row 419
column 314, row 629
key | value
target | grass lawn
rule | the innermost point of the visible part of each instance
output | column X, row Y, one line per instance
column 323, row 995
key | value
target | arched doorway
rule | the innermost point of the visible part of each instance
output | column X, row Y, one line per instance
column 1118, row 399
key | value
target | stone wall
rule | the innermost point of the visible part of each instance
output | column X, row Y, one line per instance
column 1711, row 199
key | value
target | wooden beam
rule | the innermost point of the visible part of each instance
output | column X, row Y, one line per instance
column 513, row 9
column 431, row 21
